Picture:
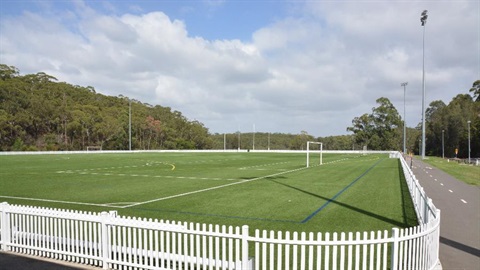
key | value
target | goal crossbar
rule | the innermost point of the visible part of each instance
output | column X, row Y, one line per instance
column 308, row 152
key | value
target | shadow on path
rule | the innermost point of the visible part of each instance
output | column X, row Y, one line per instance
column 460, row 246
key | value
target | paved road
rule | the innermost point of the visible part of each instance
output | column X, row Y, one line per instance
column 14, row 262
column 460, row 216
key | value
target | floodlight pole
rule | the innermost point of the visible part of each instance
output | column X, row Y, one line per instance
column 308, row 154
column 129, row 125
column 443, row 143
column 468, row 123
column 269, row 141
column 404, row 121
column 253, row 145
column 423, row 19
column 238, row 140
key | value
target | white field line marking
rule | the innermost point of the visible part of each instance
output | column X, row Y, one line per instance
column 146, row 175
column 115, row 204
column 451, row 191
column 348, row 158
column 263, row 165
column 57, row 201
column 463, row 201
column 212, row 188
column 441, row 184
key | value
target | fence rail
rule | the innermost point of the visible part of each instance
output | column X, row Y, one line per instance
column 113, row 242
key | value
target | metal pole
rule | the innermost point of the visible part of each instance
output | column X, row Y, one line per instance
column 224, row 141
column 468, row 122
column 419, row 147
column 269, row 141
column 308, row 154
column 253, row 146
column 404, row 121
column 443, row 143
column 129, row 125
column 238, row 140
column 423, row 19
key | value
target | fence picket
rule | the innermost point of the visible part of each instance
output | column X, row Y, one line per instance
column 350, row 251
column 310, row 251
column 279, row 251
column 272, row 251
column 334, row 252
column 327, row 252
column 295, row 251
column 287, row 250
column 319, row 252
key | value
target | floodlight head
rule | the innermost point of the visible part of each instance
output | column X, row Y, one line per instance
column 423, row 17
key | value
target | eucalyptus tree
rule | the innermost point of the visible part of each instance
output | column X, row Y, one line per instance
column 379, row 130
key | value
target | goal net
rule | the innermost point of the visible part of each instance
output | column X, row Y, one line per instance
column 320, row 151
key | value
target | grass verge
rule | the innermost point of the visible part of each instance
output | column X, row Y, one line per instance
column 469, row 174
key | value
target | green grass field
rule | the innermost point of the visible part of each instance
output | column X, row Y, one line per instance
column 274, row 191
column 467, row 173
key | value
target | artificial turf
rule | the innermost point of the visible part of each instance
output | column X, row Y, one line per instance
column 274, row 191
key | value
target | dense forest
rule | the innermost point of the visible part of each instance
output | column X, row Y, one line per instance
column 39, row 113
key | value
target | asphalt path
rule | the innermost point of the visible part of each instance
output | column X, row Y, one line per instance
column 9, row 261
column 459, row 204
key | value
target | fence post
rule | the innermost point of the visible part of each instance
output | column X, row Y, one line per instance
column 245, row 247
column 394, row 260
column 437, row 237
column 5, row 226
column 105, row 253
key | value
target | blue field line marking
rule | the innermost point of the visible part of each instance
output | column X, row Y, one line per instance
column 215, row 215
column 338, row 194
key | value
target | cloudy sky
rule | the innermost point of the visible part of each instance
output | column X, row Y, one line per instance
column 278, row 66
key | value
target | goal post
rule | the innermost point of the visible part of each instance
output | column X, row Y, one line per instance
column 94, row 148
column 308, row 152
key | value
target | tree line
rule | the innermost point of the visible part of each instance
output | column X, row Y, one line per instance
column 39, row 113
column 447, row 127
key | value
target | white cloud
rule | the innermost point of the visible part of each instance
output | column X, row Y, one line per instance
column 313, row 71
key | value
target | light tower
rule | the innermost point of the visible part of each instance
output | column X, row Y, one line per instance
column 423, row 19
column 404, row 121
column 468, row 123
column 443, row 143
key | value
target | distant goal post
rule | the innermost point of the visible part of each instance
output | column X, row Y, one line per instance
column 94, row 148
column 308, row 152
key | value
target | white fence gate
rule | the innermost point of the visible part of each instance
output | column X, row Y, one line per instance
column 112, row 242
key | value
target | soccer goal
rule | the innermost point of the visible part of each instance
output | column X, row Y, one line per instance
column 94, row 148
column 308, row 152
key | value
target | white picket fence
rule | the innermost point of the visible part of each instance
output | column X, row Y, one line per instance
column 113, row 242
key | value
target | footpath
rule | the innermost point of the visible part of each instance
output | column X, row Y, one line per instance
column 459, row 204
column 10, row 261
